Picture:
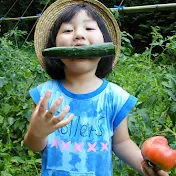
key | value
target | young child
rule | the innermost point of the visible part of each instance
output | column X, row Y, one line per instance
column 80, row 117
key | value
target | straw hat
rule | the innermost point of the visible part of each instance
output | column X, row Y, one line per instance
column 50, row 15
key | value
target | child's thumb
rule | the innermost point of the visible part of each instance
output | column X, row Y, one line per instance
column 162, row 173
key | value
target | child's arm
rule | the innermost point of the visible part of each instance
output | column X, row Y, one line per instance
column 125, row 148
column 129, row 152
column 34, row 143
column 43, row 123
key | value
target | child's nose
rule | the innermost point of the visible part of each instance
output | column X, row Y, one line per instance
column 79, row 35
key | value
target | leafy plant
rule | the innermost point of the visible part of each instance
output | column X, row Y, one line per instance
column 166, row 46
column 152, row 82
column 19, row 70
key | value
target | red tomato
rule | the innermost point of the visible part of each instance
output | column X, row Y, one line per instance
column 157, row 151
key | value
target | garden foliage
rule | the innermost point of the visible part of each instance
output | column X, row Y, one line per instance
column 149, row 76
column 136, row 24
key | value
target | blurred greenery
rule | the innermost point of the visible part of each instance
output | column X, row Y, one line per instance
column 146, row 68
column 149, row 76
column 137, row 24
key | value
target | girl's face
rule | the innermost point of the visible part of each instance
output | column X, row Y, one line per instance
column 81, row 30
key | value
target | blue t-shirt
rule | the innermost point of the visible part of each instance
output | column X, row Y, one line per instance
column 84, row 146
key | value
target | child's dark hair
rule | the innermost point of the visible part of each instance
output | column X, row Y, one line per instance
column 54, row 66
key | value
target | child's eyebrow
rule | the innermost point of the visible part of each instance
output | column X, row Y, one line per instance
column 87, row 21
column 84, row 21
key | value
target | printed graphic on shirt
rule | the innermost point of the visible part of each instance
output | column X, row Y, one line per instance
column 79, row 145
column 80, row 131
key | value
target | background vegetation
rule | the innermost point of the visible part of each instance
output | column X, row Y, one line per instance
column 136, row 24
column 148, row 72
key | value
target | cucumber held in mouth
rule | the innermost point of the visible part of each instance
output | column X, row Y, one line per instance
column 86, row 51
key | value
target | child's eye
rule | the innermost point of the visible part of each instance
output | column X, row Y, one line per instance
column 68, row 31
column 89, row 29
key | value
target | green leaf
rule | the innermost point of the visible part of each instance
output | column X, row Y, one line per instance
column 4, row 173
column 146, row 88
column 138, row 90
column 17, row 159
column 6, row 108
column 171, row 94
column 3, row 81
column 116, row 15
column 166, row 84
column 149, row 131
column 1, row 119
column 11, row 120
column 152, row 99
column 38, row 161
column 145, row 115
column 173, row 107
column 173, row 118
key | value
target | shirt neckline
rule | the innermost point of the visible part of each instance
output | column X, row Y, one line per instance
column 82, row 96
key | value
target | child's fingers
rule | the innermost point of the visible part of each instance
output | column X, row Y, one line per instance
column 44, row 103
column 148, row 171
column 38, row 105
column 50, row 113
column 162, row 173
column 61, row 116
column 145, row 173
column 65, row 122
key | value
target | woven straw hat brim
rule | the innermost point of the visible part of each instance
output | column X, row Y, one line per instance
column 50, row 15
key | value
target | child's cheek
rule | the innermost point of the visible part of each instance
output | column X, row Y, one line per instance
column 63, row 40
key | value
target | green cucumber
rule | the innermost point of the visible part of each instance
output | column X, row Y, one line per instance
column 86, row 51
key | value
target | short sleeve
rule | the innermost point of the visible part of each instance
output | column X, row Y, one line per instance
column 124, row 111
column 39, row 91
column 35, row 95
column 122, row 104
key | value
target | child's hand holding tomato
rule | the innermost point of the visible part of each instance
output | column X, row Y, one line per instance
column 149, row 171
column 158, row 156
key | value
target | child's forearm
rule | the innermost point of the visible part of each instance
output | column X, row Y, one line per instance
column 130, row 153
column 34, row 143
